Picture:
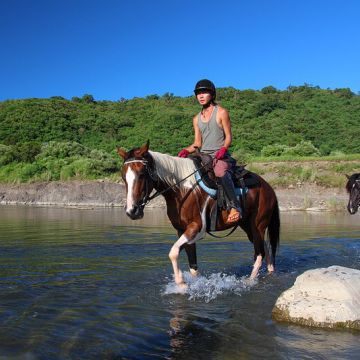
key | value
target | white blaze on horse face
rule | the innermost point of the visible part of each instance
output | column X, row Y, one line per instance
column 130, row 180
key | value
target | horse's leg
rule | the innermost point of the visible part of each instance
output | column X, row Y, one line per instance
column 256, row 234
column 261, row 248
column 251, row 232
column 259, row 254
column 191, row 255
column 269, row 260
column 189, row 236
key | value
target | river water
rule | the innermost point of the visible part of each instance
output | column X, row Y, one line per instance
column 92, row 284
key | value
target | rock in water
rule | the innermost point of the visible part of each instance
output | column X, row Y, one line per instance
column 326, row 297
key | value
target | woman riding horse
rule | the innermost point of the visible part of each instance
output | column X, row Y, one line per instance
column 212, row 129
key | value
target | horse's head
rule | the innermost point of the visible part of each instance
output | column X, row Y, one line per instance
column 137, row 173
column 353, row 188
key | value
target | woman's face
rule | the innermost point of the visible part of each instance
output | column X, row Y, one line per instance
column 203, row 97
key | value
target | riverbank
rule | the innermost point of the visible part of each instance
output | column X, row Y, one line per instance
column 101, row 193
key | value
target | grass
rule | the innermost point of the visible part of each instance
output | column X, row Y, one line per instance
column 308, row 203
column 325, row 171
column 334, row 205
column 340, row 157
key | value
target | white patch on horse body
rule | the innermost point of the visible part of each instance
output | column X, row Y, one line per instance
column 184, row 240
column 130, row 180
column 181, row 241
column 201, row 233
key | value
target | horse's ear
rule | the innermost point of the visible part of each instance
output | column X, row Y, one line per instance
column 347, row 176
column 143, row 150
column 147, row 145
column 122, row 152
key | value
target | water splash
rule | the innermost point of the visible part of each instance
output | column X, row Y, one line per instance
column 208, row 288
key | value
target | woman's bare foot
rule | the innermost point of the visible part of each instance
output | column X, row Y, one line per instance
column 234, row 216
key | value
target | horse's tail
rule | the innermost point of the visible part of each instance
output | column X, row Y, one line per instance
column 274, row 230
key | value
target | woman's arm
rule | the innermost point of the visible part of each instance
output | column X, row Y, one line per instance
column 224, row 122
column 197, row 136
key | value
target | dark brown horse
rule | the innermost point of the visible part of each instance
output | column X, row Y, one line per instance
column 353, row 188
column 189, row 206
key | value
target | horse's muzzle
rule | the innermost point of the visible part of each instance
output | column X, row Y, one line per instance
column 136, row 212
column 352, row 209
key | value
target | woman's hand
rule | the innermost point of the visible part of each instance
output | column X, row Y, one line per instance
column 183, row 153
column 220, row 154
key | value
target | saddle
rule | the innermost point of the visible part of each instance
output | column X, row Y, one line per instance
column 243, row 180
column 241, row 177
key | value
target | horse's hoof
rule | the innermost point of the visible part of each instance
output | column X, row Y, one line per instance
column 182, row 287
column 194, row 273
column 250, row 281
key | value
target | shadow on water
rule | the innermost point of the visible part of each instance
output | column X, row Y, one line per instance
column 93, row 284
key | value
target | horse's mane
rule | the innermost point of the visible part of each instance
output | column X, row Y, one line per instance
column 351, row 181
column 171, row 169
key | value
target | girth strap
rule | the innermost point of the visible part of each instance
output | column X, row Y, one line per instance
column 220, row 237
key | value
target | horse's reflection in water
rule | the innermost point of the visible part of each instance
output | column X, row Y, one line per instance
column 188, row 332
column 189, row 207
column 180, row 327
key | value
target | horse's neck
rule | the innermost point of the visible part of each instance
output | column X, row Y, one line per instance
column 171, row 170
column 169, row 191
column 173, row 194
column 161, row 185
column 173, row 177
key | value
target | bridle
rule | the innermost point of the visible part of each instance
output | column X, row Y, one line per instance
column 149, row 172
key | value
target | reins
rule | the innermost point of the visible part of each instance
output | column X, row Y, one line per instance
column 158, row 193
column 221, row 237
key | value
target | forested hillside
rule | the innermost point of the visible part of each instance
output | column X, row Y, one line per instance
column 39, row 132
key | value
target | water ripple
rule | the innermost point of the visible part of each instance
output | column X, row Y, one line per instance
column 208, row 288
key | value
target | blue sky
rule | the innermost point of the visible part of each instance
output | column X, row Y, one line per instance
column 113, row 49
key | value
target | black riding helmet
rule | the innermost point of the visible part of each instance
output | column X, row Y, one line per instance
column 205, row 84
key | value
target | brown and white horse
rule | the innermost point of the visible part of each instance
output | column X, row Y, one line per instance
column 188, row 206
column 353, row 188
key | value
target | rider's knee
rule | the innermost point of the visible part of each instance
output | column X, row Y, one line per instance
column 221, row 168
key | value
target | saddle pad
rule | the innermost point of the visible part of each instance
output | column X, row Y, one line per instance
column 212, row 192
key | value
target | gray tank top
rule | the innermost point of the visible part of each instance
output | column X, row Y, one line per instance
column 212, row 134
